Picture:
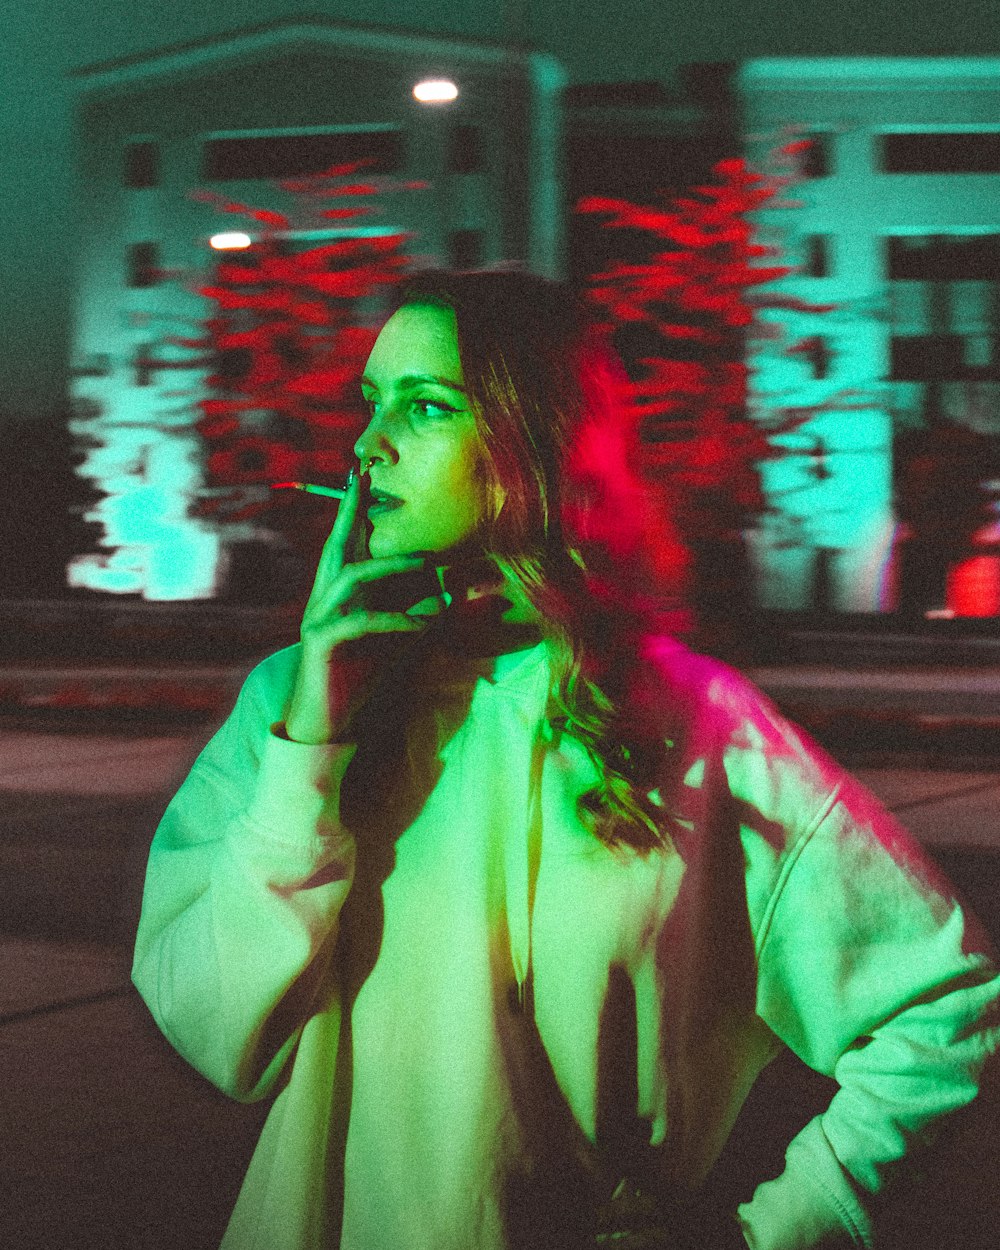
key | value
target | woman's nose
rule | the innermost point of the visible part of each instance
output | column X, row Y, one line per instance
column 376, row 441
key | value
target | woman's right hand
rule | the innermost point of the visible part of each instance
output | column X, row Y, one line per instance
column 335, row 667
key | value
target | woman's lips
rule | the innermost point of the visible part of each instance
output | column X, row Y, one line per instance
column 382, row 502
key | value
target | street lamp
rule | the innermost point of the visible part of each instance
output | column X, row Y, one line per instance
column 435, row 91
column 230, row 241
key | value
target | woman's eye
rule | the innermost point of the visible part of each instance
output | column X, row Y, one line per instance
column 433, row 408
column 429, row 408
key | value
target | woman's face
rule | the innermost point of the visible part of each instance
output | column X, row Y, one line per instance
column 429, row 476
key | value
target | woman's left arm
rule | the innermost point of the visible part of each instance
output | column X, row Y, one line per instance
column 872, row 972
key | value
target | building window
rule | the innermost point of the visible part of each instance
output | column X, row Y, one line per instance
column 816, row 263
column 143, row 365
column 944, row 258
column 963, row 152
column 465, row 150
column 465, row 249
column 817, row 159
column 818, row 355
column 250, row 157
column 648, row 93
column 142, row 166
column 143, row 264
column 936, row 358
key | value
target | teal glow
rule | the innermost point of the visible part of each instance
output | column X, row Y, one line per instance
column 829, row 489
column 872, row 73
column 150, row 479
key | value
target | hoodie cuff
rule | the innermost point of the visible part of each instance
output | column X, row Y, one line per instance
column 812, row 1205
column 298, row 786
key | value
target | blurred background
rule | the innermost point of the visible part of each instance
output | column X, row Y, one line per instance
column 201, row 203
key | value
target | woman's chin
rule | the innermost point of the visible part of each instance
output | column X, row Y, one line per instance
column 388, row 540
column 394, row 545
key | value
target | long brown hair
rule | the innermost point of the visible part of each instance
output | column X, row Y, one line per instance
column 577, row 528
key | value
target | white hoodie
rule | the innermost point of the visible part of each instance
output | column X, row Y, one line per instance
column 474, row 1015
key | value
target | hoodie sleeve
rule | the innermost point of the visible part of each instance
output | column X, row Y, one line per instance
column 872, row 972
column 247, row 873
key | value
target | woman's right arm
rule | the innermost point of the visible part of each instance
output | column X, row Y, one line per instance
column 247, row 874
column 250, row 866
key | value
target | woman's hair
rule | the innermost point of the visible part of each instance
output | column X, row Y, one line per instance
column 576, row 527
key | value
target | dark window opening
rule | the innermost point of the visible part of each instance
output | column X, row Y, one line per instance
column 818, row 355
column 465, row 249
column 95, row 365
column 142, row 166
column 936, row 358
column 144, row 365
column 643, row 168
column 291, row 156
column 816, row 159
column 230, row 367
column 977, row 153
column 944, row 258
column 143, row 264
column 649, row 93
column 465, row 150
column 817, row 257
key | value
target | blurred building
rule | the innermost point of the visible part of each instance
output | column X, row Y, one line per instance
column 899, row 230
column 882, row 497
column 232, row 116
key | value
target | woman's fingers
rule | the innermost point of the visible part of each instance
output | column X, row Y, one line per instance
column 359, row 625
column 389, row 623
column 336, row 548
column 389, row 583
column 354, row 597
column 347, row 514
column 333, row 592
column 381, row 566
column 392, row 587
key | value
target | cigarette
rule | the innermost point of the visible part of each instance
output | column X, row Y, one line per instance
column 332, row 492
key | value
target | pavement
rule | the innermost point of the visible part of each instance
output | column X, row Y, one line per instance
column 110, row 1141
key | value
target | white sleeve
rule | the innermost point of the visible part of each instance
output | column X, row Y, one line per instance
column 247, row 874
column 872, row 972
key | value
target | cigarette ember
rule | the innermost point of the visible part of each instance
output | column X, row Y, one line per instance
column 331, row 492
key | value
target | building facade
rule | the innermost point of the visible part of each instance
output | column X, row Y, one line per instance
column 884, row 495
column 230, row 117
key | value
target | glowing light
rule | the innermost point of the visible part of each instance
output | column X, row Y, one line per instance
column 435, row 91
column 973, row 587
column 230, row 241
column 150, row 478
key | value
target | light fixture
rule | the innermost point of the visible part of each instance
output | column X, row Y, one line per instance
column 230, row 241
column 435, row 91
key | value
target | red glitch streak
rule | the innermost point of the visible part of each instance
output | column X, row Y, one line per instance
column 321, row 381
column 339, row 213
column 358, row 188
column 269, row 218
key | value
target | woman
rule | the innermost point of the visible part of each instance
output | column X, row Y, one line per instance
column 506, row 899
